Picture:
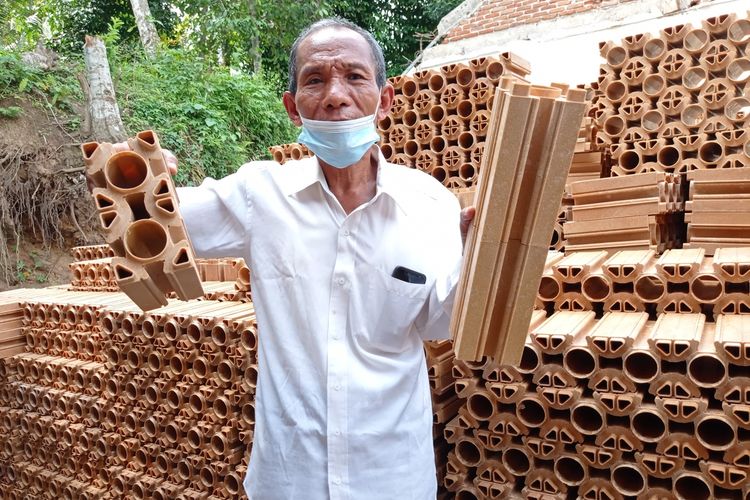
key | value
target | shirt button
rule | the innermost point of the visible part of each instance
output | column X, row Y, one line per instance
column 347, row 233
column 335, row 337
column 341, row 281
column 336, row 387
column 336, row 481
column 337, row 433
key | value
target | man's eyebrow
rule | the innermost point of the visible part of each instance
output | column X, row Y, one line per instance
column 315, row 68
column 359, row 66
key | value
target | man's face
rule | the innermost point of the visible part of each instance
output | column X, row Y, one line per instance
column 336, row 79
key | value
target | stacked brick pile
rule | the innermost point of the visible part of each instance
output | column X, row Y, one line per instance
column 635, row 385
column 445, row 402
column 621, row 406
column 11, row 340
column 439, row 118
column 91, row 252
column 222, row 279
column 636, row 211
column 112, row 399
column 676, row 102
column 681, row 281
column 590, row 161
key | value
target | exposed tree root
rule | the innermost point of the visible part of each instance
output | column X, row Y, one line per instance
column 34, row 200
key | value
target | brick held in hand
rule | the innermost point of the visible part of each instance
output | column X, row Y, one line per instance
column 138, row 211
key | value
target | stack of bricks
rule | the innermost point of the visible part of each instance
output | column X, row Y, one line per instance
column 94, row 275
column 590, row 161
column 112, row 400
column 12, row 341
column 636, row 212
column 678, row 281
column 621, row 406
column 225, row 279
column 718, row 210
column 590, row 157
column 634, row 385
column 293, row 151
column 91, row 252
column 139, row 216
column 439, row 119
column 222, row 279
column 445, row 402
column 677, row 102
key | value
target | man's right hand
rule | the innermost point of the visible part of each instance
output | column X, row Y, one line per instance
column 170, row 161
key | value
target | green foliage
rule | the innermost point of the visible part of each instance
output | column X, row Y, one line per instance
column 19, row 27
column 58, row 88
column 245, row 35
column 71, row 20
column 64, row 23
column 242, row 34
column 212, row 119
column 33, row 271
column 403, row 27
column 10, row 112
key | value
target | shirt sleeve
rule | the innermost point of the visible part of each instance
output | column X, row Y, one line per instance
column 434, row 320
column 217, row 215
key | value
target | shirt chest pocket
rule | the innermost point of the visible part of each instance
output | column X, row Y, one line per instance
column 384, row 312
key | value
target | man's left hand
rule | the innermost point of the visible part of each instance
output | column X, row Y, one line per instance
column 467, row 216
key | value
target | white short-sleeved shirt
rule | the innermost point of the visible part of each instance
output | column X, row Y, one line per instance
column 343, row 406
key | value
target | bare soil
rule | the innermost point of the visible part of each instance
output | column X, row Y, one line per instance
column 45, row 208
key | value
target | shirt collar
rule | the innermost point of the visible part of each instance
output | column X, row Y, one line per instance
column 389, row 183
column 308, row 172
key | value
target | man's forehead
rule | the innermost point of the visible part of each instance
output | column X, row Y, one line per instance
column 335, row 45
column 334, row 33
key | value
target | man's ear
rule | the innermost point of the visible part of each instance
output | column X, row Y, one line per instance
column 291, row 108
column 386, row 101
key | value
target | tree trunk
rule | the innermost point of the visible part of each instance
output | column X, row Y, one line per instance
column 146, row 28
column 255, row 42
column 105, row 114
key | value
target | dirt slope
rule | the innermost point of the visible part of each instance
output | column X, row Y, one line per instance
column 44, row 205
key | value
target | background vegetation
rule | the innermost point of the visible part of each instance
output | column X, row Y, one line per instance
column 212, row 92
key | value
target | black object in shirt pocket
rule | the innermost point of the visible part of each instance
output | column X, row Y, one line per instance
column 409, row 275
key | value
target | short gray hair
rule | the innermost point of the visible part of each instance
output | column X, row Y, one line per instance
column 337, row 22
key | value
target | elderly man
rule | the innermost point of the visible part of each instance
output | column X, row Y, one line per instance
column 354, row 263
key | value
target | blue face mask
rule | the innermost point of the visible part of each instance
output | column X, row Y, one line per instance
column 339, row 143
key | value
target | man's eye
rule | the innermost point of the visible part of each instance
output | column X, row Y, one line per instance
column 355, row 76
column 314, row 81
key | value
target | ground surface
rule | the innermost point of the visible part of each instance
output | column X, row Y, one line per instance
column 44, row 205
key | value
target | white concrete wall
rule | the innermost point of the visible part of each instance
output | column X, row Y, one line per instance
column 566, row 49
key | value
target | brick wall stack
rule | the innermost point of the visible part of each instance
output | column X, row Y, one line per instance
column 439, row 119
column 498, row 15
column 111, row 400
column 633, row 383
column 676, row 103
